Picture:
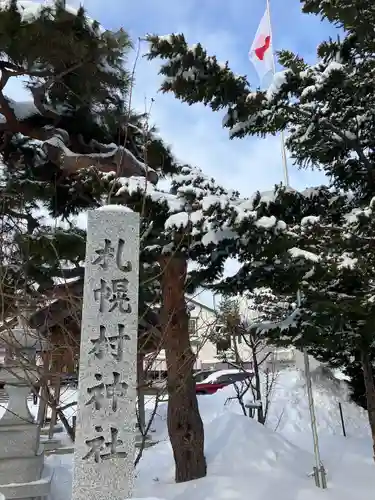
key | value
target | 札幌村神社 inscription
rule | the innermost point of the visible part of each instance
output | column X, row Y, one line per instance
column 105, row 432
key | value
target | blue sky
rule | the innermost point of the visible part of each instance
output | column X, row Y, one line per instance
column 225, row 28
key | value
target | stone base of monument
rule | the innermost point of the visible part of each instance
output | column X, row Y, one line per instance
column 21, row 469
column 34, row 490
column 57, row 429
column 51, row 444
column 15, row 439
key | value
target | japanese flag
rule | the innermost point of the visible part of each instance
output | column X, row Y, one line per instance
column 261, row 50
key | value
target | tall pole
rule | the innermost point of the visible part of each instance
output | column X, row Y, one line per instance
column 319, row 472
column 283, row 152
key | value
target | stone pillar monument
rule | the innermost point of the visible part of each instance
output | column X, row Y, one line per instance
column 105, row 432
column 22, row 471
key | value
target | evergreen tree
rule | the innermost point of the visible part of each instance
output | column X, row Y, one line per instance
column 72, row 149
column 322, row 246
column 76, row 148
column 77, row 124
column 326, row 110
column 54, row 144
column 182, row 231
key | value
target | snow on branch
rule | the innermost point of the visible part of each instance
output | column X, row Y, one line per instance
column 299, row 253
column 113, row 158
column 69, row 154
column 290, row 321
column 307, row 101
column 30, row 10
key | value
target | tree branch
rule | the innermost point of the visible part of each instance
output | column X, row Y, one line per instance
column 330, row 126
column 32, row 223
column 56, row 141
column 113, row 159
column 39, row 92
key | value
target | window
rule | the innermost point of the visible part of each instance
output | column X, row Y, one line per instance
column 231, row 378
column 240, row 377
column 224, row 379
column 199, row 376
column 192, row 326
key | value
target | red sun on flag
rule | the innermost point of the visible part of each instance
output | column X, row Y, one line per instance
column 263, row 44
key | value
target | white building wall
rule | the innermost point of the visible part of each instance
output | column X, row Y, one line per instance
column 207, row 356
column 205, row 351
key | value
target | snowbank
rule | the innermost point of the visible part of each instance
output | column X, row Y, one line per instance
column 289, row 411
column 238, row 450
column 247, row 460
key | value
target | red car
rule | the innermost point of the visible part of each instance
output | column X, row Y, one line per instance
column 219, row 379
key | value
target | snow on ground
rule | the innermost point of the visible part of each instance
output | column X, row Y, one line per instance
column 249, row 461
column 289, row 411
column 246, row 460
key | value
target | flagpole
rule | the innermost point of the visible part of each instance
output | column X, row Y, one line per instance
column 283, row 152
column 319, row 471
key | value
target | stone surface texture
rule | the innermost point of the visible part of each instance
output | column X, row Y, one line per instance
column 17, row 412
column 22, row 471
column 105, row 436
column 19, row 440
column 30, row 491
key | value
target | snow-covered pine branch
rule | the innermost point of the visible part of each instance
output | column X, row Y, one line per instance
column 325, row 108
column 73, row 88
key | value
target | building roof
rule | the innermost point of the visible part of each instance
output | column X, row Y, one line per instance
column 200, row 304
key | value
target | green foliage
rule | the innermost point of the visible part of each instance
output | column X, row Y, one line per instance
column 193, row 76
column 229, row 314
column 356, row 384
column 49, row 40
column 291, row 61
column 325, row 108
column 77, row 76
column 355, row 17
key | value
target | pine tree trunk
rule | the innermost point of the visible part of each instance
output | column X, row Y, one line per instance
column 185, row 425
column 368, row 376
